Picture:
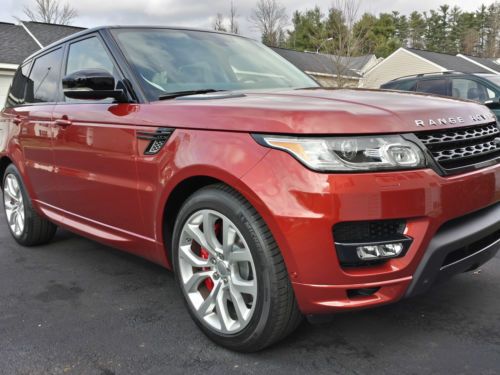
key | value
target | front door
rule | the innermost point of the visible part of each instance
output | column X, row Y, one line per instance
column 94, row 151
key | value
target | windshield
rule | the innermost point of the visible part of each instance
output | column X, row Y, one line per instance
column 169, row 61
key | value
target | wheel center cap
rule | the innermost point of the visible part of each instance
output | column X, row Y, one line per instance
column 222, row 269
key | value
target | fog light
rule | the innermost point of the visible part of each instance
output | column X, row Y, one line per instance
column 372, row 252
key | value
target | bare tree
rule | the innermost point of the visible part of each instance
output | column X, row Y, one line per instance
column 51, row 11
column 342, row 40
column 270, row 17
column 219, row 23
column 233, row 15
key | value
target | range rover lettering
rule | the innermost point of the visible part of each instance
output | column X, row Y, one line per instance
column 270, row 197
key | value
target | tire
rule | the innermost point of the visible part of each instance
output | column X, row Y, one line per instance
column 34, row 229
column 269, row 312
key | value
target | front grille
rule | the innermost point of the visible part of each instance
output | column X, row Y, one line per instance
column 457, row 149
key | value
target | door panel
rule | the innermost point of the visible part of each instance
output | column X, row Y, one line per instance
column 36, row 132
column 95, row 161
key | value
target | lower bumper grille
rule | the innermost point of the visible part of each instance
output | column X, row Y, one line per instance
column 458, row 149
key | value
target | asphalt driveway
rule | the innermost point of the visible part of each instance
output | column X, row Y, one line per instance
column 77, row 307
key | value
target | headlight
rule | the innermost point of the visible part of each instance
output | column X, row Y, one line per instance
column 343, row 154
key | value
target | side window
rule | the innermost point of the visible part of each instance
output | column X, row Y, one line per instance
column 18, row 87
column 472, row 90
column 43, row 84
column 88, row 54
column 433, row 86
column 406, row 86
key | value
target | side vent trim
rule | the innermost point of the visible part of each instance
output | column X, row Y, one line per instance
column 156, row 140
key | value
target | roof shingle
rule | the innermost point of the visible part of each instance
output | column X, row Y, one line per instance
column 15, row 44
column 48, row 33
column 449, row 62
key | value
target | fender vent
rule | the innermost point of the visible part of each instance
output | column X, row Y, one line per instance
column 156, row 140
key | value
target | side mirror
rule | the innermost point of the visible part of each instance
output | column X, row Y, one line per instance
column 92, row 84
column 493, row 104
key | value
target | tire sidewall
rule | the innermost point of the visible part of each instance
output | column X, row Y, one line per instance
column 225, row 203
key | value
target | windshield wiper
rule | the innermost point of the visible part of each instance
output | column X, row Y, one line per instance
column 173, row 95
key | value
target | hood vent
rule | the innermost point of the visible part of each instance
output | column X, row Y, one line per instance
column 156, row 140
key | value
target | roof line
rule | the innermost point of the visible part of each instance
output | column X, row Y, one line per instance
column 476, row 63
column 31, row 34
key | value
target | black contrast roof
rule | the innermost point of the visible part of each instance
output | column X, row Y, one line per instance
column 317, row 63
column 15, row 44
column 449, row 62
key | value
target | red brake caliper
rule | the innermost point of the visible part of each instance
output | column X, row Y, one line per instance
column 209, row 283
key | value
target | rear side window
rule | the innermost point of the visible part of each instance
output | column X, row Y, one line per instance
column 18, row 87
column 433, row 86
column 406, row 86
column 43, row 85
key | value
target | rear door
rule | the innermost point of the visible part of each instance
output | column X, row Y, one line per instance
column 95, row 149
column 30, row 107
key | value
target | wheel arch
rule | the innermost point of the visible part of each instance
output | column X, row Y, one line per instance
column 5, row 161
column 187, row 187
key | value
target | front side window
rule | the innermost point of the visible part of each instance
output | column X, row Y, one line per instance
column 472, row 90
column 167, row 61
column 43, row 85
column 433, row 86
column 18, row 87
column 89, row 54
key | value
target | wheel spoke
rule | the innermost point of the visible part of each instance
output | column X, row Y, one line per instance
column 187, row 254
column 209, row 231
column 199, row 237
column 208, row 305
column 222, row 311
column 195, row 280
column 228, row 238
column 244, row 286
column 19, row 223
column 242, row 311
column 240, row 255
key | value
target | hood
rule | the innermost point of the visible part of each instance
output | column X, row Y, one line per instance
column 318, row 111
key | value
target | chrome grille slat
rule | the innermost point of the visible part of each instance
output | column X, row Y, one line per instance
column 456, row 149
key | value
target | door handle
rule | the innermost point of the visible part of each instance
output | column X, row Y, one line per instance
column 64, row 122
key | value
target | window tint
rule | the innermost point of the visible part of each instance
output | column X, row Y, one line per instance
column 43, row 85
column 406, row 86
column 472, row 90
column 18, row 87
column 433, row 86
column 88, row 54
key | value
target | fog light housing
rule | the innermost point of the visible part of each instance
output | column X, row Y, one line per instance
column 382, row 251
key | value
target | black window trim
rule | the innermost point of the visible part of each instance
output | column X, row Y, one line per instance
column 19, row 68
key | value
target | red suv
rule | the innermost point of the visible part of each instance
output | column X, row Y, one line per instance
column 270, row 197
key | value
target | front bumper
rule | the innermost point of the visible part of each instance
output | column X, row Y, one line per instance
column 301, row 207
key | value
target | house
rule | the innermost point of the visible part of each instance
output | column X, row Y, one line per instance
column 410, row 61
column 328, row 70
column 18, row 41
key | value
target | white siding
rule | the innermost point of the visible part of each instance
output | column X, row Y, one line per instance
column 400, row 63
column 5, row 81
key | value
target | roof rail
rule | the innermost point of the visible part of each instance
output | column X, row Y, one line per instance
column 426, row 74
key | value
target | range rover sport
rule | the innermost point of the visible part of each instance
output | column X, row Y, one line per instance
column 270, row 197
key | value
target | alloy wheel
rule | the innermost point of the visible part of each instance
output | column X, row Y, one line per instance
column 14, row 205
column 217, row 272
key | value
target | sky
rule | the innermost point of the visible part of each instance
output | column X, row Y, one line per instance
column 200, row 14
